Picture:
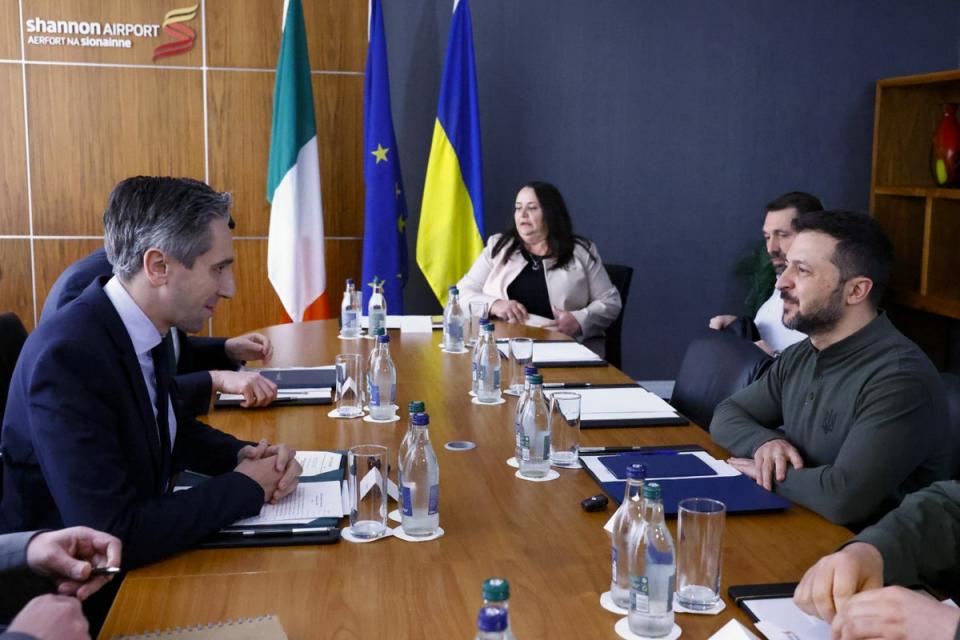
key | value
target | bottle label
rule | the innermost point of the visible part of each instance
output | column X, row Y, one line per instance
column 406, row 501
column 455, row 331
column 377, row 319
column 613, row 558
column 485, row 371
column 546, row 444
column 433, row 505
column 639, row 594
column 375, row 395
column 350, row 320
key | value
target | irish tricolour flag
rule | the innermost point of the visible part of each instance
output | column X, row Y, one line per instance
column 295, row 262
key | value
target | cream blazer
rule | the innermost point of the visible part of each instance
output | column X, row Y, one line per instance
column 582, row 287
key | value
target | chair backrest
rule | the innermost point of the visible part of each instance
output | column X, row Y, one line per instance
column 12, row 336
column 951, row 382
column 620, row 276
column 716, row 365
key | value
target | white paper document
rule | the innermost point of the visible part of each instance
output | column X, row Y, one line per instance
column 316, row 462
column 781, row 619
column 733, row 630
column 618, row 403
column 393, row 322
column 416, row 324
column 309, row 501
column 323, row 393
column 550, row 352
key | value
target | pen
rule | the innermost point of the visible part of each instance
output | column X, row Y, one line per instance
column 644, row 450
column 104, row 571
column 277, row 532
column 566, row 385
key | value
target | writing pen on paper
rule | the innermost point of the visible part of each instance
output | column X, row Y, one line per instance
column 277, row 532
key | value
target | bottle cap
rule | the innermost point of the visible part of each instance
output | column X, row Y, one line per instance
column 535, row 378
column 416, row 406
column 349, row 281
column 420, row 419
column 380, row 331
column 452, row 288
column 492, row 619
column 484, row 321
column 489, row 327
column 383, row 338
column 529, row 370
column 652, row 491
column 636, row 471
column 496, row 590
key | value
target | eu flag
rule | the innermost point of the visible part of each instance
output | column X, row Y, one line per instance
column 385, row 218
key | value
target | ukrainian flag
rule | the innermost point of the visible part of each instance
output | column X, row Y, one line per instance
column 451, row 217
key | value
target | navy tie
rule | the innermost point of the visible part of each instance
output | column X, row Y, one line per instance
column 163, row 356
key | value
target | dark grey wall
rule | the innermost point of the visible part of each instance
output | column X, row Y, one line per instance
column 667, row 126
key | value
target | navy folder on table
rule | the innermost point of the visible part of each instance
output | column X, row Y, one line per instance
column 658, row 465
column 306, row 378
column 292, row 379
column 739, row 493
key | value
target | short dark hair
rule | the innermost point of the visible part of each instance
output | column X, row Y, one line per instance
column 171, row 214
column 863, row 248
column 560, row 236
column 799, row 200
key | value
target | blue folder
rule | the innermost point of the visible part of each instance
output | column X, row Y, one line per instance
column 739, row 493
column 659, row 465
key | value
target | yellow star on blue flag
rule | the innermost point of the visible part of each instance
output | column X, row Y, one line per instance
column 380, row 153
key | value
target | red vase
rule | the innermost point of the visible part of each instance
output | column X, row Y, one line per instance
column 945, row 153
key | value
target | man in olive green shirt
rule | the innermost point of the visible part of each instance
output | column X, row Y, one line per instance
column 917, row 542
column 862, row 409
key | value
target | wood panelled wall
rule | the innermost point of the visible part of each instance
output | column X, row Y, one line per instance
column 97, row 115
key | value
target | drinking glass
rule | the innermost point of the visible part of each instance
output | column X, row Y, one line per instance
column 564, row 421
column 367, row 478
column 521, row 354
column 477, row 310
column 349, row 400
column 700, row 523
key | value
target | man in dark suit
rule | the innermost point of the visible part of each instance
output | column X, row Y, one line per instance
column 90, row 434
column 204, row 365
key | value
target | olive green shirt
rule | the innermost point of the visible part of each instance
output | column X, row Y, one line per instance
column 868, row 415
column 920, row 540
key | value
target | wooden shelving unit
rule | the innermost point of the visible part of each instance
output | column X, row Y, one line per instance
column 922, row 220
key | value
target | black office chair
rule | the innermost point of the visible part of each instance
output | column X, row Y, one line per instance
column 716, row 365
column 620, row 276
column 952, row 383
column 12, row 336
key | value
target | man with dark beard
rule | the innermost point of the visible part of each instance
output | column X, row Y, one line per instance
column 863, row 409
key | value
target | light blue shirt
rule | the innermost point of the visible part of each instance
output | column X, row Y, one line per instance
column 145, row 337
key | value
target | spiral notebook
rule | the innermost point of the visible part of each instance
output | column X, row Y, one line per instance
column 259, row 628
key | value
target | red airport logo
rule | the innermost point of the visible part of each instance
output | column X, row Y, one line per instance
column 183, row 35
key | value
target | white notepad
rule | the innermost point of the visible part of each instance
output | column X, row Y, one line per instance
column 619, row 403
column 554, row 352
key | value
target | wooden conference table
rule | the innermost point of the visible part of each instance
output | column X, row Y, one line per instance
column 556, row 556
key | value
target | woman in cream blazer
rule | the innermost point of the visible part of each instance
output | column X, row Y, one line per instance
column 541, row 254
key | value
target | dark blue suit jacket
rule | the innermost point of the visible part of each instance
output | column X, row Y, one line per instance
column 81, row 447
column 197, row 355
